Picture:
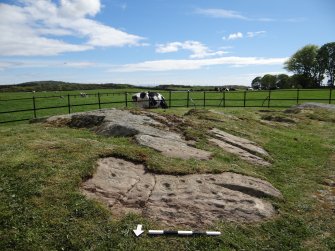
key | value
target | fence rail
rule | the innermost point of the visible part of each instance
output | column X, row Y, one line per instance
column 40, row 106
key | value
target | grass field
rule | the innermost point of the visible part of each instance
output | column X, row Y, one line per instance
column 60, row 101
column 42, row 167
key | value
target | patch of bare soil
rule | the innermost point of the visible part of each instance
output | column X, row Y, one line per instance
column 190, row 200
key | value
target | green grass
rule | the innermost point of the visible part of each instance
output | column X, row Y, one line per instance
column 116, row 98
column 42, row 167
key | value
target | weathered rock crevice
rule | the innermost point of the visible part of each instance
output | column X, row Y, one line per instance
column 246, row 190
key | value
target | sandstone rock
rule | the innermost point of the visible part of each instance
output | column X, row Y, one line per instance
column 122, row 123
column 242, row 143
column 243, row 148
column 172, row 148
column 191, row 200
column 118, row 130
column 245, row 155
column 310, row 105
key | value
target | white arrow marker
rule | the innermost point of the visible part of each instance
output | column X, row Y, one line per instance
column 138, row 231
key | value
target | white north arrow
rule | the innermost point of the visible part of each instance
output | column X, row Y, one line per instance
column 138, row 231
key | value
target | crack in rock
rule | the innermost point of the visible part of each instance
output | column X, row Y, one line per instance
column 190, row 200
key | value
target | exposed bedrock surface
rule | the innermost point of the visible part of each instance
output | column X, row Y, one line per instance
column 311, row 105
column 148, row 132
column 245, row 149
column 191, row 200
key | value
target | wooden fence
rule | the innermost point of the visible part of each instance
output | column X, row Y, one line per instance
column 21, row 109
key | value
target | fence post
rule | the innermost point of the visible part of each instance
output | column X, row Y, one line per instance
column 245, row 95
column 188, row 99
column 224, row 99
column 68, row 103
column 269, row 98
column 204, row 98
column 330, row 95
column 34, row 106
column 126, row 98
column 298, row 91
column 99, row 100
column 170, row 96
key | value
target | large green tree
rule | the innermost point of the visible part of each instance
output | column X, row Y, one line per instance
column 326, row 59
column 304, row 62
column 256, row 83
column 268, row 81
column 300, row 81
column 283, row 81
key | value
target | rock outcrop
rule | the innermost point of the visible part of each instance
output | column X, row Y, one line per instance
column 245, row 149
column 121, row 123
column 311, row 105
column 191, row 200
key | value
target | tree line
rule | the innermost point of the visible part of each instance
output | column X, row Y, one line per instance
column 309, row 65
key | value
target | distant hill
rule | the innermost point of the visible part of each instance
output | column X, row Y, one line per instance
column 66, row 86
column 58, row 86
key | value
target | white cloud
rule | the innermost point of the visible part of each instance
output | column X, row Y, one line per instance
column 231, row 14
column 5, row 65
column 239, row 35
column 83, row 64
column 47, row 64
column 101, row 35
column 169, row 47
column 193, row 64
column 255, row 33
column 198, row 49
column 233, row 36
column 265, row 19
column 79, row 8
column 221, row 13
column 295, row 20
column 25, row 29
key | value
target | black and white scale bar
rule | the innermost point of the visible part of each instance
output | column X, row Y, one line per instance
column 173, row 232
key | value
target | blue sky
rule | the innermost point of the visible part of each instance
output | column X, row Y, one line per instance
column 150, row 42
